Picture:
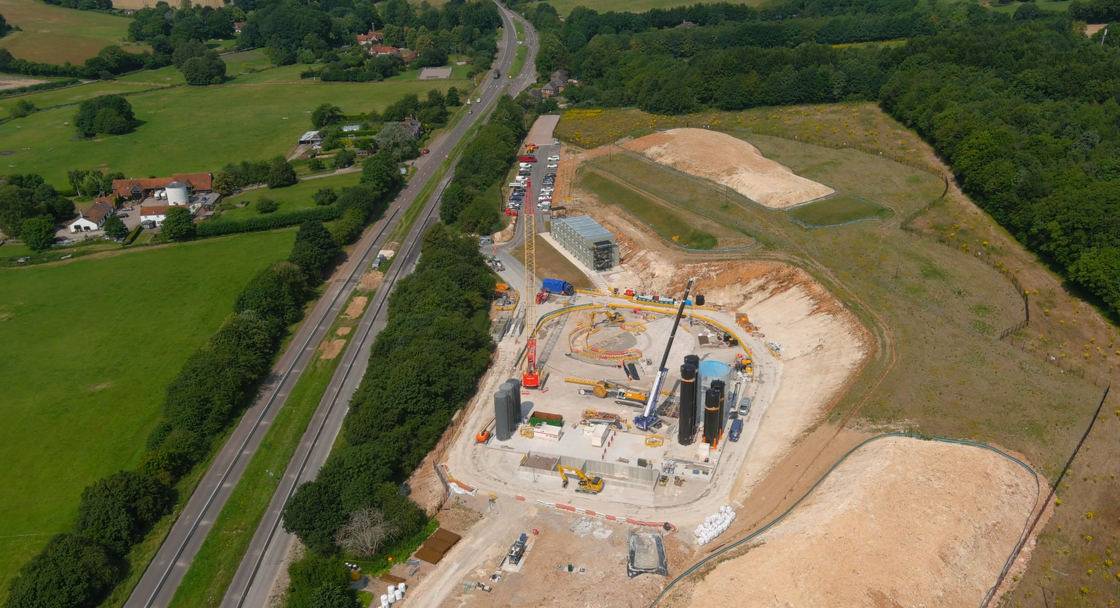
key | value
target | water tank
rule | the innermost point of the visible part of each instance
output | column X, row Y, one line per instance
column 711, row 416
column 501, row 415
column 713, row 370
column 686, row 428
column 177, row 194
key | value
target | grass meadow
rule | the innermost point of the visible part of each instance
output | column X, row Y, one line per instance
column 192, row 128
column 291, row 198
column 72, row 95
column 53, row 34
column 86, row 351
column 935, row 314
column 835, row 210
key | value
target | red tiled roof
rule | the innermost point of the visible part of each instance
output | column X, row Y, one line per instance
column 98, row 212
column 154, row 210
column 384, row 50
column 197, row 181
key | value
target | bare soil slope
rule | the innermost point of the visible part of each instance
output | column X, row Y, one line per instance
column 732, row 162
column 902, row 522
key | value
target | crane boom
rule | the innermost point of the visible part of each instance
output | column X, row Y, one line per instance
column 531, row 378
column 649, row 415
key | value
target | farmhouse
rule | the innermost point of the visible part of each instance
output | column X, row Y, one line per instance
column 237, row 25
column 383, row 50
column 92, row 218
column 138, row 189
column 370, row 38
column 155, row 214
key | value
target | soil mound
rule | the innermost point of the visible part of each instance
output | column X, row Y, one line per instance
column 902, row 522
column 732, row 162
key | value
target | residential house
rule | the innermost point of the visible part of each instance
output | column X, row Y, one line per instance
column 237, row 25
column 413, row 126
column 376, row 50
column 556, row 84
column 370, row 38
column 138, row 189
column 310, row 138
column 409, row 56
column 154, row 213
column 94, row 217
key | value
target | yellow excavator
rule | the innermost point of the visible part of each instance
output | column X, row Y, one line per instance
column 612, row 317
column 587, row 485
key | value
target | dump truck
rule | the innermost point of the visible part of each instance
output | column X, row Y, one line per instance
column 558, row 286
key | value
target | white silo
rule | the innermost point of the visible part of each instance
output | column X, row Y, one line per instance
column 177, row 194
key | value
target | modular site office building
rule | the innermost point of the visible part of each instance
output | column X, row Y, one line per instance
column 588, row 241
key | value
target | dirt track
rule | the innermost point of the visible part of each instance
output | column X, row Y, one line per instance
column 902, row 522
column 732, row 162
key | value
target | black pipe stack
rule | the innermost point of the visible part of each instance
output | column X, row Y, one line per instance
column 711, row 416
column 686, row 429
column 722, row 388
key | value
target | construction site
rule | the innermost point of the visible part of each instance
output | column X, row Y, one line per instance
column 626, row 431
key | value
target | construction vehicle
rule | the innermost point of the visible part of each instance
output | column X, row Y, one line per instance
column 587, row 485
column 603, row 389
column 563, row 288
column 648, row 418
column 612, row 317
column 531, row 378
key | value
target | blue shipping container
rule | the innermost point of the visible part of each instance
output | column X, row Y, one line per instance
column 558, row 286
column 736, row 429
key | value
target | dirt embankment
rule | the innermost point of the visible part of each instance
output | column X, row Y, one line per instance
column 902, row 522
column 732, row 162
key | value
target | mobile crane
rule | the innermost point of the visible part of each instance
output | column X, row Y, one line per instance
column 648, row 418
column 587, row 485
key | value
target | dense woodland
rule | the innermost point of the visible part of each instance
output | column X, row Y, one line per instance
column 1024, row 108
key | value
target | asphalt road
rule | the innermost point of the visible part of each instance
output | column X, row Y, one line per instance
column 261, row 563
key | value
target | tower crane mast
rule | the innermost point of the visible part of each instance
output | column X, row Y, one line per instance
column 531, row 377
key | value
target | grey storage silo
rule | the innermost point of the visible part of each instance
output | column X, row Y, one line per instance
column 698, row 393
column 514, row 404
column 501, row 414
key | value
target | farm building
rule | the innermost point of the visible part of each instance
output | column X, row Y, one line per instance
column 154, row 213
column 370, row 38
column 92, row 218
column 310, row 138
column 588, row 241
column 138, row 189
column 413, row 126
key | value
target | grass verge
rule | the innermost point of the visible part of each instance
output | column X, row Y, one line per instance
column 670, row 224
column 554, row 265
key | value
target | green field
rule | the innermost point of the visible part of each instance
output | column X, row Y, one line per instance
column 164, row 76
column 664, row 220
column 291, row 198
column 53, row 34
column 71, row 95
column 192, row 128
column 835, row 210
column 86, row 351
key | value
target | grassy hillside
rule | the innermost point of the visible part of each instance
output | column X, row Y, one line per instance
column 71, row 95
column 86, row 351
column 192, row 128
column 53, row 34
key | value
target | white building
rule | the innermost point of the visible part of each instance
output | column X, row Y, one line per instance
column 93, row 218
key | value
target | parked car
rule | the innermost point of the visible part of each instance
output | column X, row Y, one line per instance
column 122, row 215
column 425, row 151
column 552, row 166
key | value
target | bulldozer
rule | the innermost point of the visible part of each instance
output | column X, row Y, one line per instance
column 587, row 485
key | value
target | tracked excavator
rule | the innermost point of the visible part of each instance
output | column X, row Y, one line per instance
column 603, row 389
column 587, row 485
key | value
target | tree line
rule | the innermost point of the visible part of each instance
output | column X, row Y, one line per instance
column 78, row 568
column 423, row 367
column 485, row 161
column 1024, row 107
